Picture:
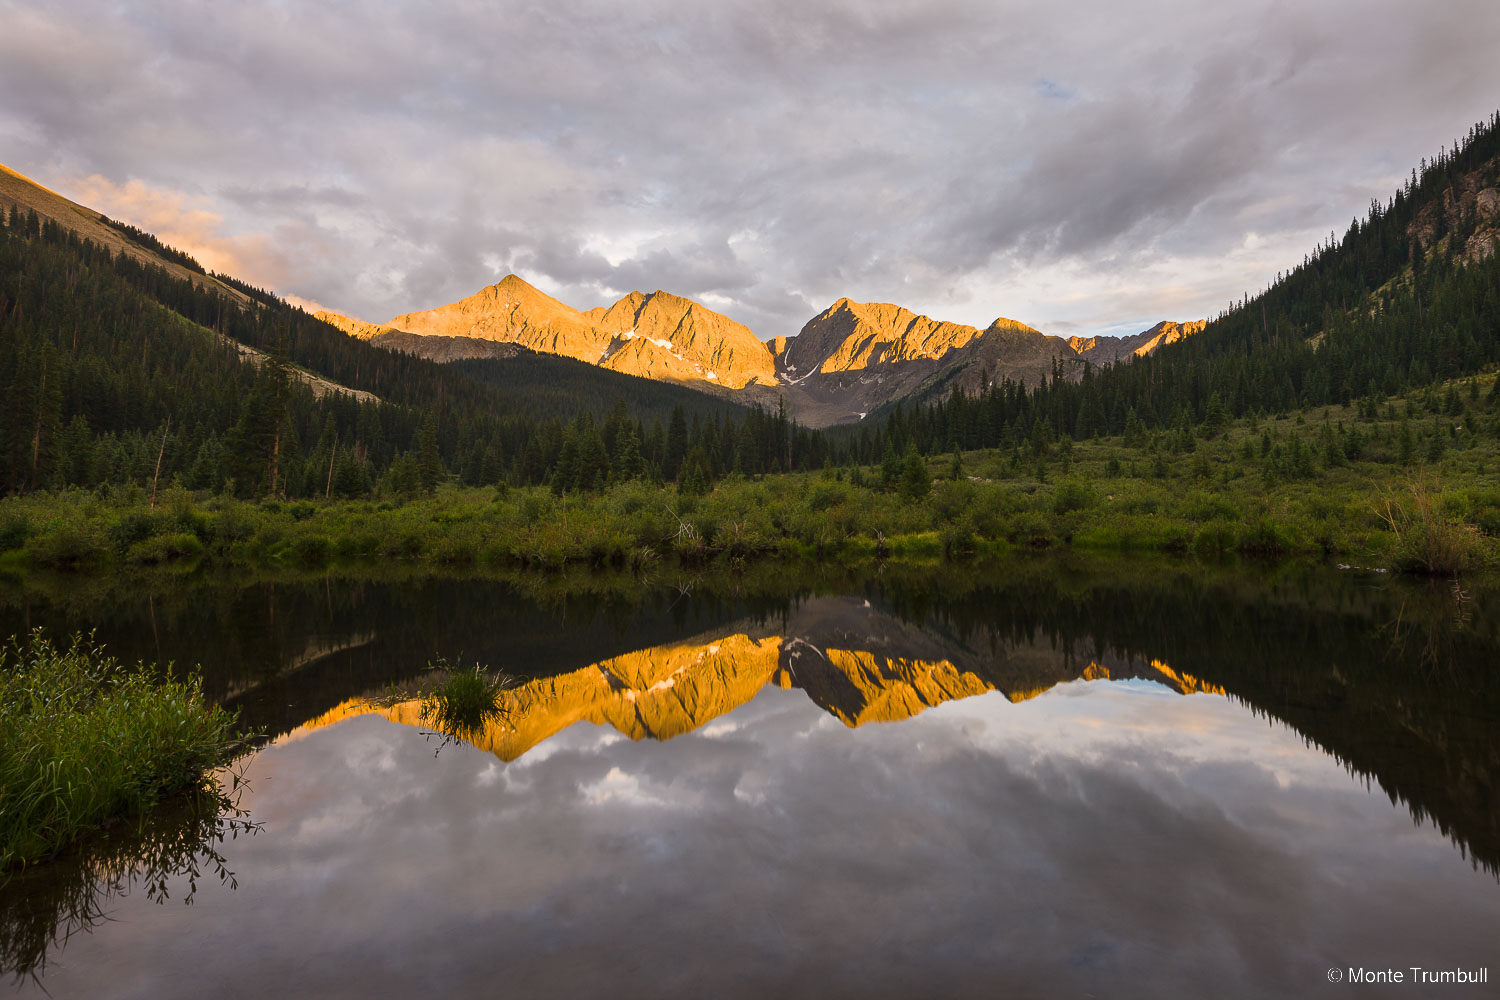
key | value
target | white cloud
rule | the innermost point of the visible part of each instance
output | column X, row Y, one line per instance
column 1085, row 167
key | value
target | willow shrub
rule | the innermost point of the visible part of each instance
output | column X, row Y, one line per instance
column 84, row 741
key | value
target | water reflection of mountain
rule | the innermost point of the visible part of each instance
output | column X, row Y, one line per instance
column 1396, row 680
column 859, row 664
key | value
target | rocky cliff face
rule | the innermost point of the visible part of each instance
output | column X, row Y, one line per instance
column 513, row 312
column 356, row 328
column 855, row 336
column 1470, row 204
column 854, row 357
column 1107, row 350
column 671, row 334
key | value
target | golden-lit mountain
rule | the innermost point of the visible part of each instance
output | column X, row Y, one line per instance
column 1105, row 350
column 858, row 664
column 652, row 335
column 358, row 329
column 855, row 336
column 512, row 312
column 702, row 343
column 847, row 361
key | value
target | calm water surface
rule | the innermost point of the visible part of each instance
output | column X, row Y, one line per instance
column 1037, row 787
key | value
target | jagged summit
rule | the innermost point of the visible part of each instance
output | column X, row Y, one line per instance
column 510, row 311
column 655, row 335
column 1103, row 350
column 709, row 345
column 852, row 335
column 854, row 357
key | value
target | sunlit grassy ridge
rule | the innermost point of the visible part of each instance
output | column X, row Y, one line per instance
column 84, row 741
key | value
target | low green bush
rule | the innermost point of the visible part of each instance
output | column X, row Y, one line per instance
column 1216, row 538
column 1073, row 494
column 15, row 528
column 313, row 550
column 83, row 740
column 1266, row 536
column 165, row 549
column 68, row 543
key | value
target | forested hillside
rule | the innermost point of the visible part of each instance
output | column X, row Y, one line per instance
column 116, row 372
column 1409, row 295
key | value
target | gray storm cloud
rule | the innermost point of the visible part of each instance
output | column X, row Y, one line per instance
column 1088, row 167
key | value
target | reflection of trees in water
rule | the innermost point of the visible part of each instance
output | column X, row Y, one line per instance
column 1393, row 678
column 1428, row 629
column 42, row 907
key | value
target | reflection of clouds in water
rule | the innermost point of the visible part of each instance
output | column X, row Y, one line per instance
column 1123, row 720
column 1098, row 837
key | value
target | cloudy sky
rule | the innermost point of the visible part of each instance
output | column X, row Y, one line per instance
column 1085, row 167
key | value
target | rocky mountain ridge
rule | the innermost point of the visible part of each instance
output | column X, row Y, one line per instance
column 20, row 191
column 847, row 361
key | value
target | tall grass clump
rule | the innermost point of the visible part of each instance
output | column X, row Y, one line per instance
column 1426, row 540
column 464, row 703
column 84, row 741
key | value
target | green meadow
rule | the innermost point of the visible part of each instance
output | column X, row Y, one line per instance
column 1410, row 483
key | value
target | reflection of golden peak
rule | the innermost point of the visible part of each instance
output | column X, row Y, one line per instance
column 893, row 688
column 1186, row 683
column 665, row 691
column 654, row 693
column 1095, row 672
column 1026, row 694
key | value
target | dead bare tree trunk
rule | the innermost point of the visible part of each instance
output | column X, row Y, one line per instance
column 36, row 439
column 163, row 450
column 276, row 459
column 328, row 491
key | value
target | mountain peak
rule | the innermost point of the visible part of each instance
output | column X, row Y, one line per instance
column 654, row 335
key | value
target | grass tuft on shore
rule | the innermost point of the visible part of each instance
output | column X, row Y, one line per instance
column 85, row 741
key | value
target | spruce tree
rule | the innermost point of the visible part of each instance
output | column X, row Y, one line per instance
column 916, row 482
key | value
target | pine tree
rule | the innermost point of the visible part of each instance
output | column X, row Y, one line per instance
column 430, row 470
column 676, row 445
column 916, row 482
column 890, row 465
